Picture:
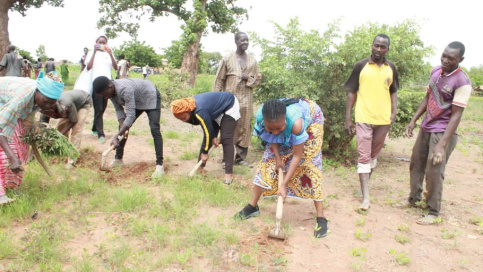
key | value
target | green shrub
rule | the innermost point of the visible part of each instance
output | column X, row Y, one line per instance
column 316, row 65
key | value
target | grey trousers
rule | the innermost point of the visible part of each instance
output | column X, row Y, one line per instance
column 421, row 166
column 241, row 153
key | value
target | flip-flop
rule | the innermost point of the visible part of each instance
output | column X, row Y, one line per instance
column 404, row 204
column 6, row 201
column 429, row 220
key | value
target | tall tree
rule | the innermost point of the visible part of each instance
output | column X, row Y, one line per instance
column 41, row 53
column 21, row 6
column 222, row 15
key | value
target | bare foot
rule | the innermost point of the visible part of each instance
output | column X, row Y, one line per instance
column 366, row 203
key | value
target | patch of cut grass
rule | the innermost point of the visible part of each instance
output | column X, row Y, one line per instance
column 361, row 222
column 171, row 134
column 450, row 234
column 400, row 257
column 134, row 198
column 362, row 236
column 7, row 248
column 401, row 239
column 189, row 155
column 403, row 228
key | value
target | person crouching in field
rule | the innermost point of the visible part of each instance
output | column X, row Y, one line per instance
column 293, row 130
column 132, row 97
column 214, row 112
column 73, row 108
column 447, row 95
column 19, row 100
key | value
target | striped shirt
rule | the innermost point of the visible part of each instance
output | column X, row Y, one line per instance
column 445, row 90
column 131, row 95
column 16, row 102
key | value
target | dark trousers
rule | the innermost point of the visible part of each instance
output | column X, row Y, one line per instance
column 153, row 116
column 100, row 105
column 227, row 132
column 241, row 153
column 421, row 166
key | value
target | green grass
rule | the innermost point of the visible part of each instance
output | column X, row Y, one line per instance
column 361, row 222
column 401, row 239
column 400, row 257
column 476, row 220
column 447, row 234
column 362, row 236
column 170, row 134
column 403, row 228
column 189, row 155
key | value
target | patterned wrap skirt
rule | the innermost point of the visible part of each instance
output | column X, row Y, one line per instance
column 8, row 179
column 306, row 182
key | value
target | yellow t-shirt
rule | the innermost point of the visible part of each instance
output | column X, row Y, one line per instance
column 373, row 85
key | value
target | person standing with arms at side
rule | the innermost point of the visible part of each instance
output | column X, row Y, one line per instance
column 26, row 67
column 11, row 63
column 100, row 62
column 64, row 71
column 373, row 84
column 238, row 74
column 145, row 71
column 49, row 66
column 447, row 95
column 83, row 59
column 37, row 67
column 122, row 70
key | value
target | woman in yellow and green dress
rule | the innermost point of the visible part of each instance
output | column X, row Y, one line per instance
column 293, row 131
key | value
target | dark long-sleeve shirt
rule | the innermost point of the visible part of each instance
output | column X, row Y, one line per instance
column 208, row 107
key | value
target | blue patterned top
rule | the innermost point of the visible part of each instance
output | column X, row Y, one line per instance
column 294, row 112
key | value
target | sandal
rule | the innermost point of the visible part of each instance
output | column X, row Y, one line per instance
column 244, row 163
column 5, row 200
column 429, row 220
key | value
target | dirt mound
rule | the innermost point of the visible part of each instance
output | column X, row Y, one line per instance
column 141, row 172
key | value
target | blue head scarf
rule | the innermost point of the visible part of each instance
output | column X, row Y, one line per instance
column 50, row 86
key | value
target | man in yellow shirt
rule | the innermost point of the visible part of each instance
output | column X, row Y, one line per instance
column 373, row 88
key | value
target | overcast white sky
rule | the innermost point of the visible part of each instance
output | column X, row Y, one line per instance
column 66, row 31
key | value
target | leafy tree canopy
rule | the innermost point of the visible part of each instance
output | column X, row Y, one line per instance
column 220, row 15
column 40, row 52
column 26, row 54
column 23, row 5
column 476, row 75
column 118, row 14
column 139, row 53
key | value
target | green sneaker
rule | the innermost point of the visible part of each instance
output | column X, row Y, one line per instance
column 102, row 140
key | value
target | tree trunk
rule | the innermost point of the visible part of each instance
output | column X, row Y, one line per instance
column 4, row 39
column 191, row 60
